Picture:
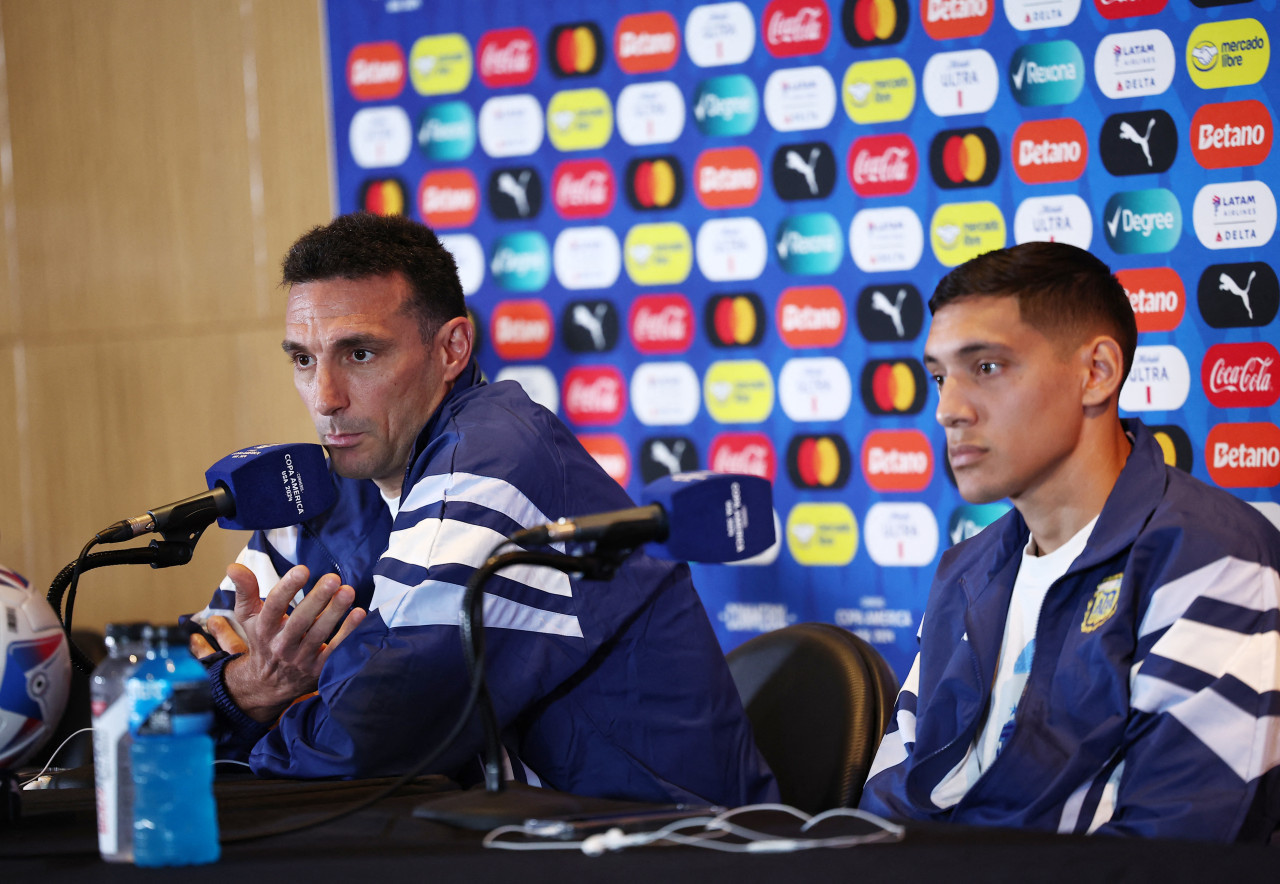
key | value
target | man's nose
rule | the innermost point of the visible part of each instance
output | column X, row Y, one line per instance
column 954, row 407
column 330, row 394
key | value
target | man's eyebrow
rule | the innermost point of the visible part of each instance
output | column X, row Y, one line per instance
column 347, row 342
column 969, row 351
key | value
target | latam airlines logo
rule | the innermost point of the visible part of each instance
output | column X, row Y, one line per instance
column 811, row 316
column 1241, row 375
column 380, row 137
column 1244, row 455
column 1157, row 296
column 964, row 158
column 515, row 193
column 883, row 165
column 795, row 27
column 448, row 198
column 583, row 189
column 810, row 244
column 647, row 42
column 890, row 312
column 719, row 34
column 589, row 326
column 654, row 183
column 730, row 249
column 440, row 64
column 1235, row 133
column 575, row 50
column 511, row 126
column 1159, row 380
column 735, row 320
column 376, row 71
column 883, row 240
column 897, row 460
column 1047, row 73
column 661, row 324
column 949, row 19
column 508, row 57
column 1228, row 53
column 874, row 22
column 1238, row 295
column 804, row 171
column 1136, row 63
column 1234, row 215
column 594, row 395
column 587, row 258
column 749, row 454
column 1032, row 15
column 664, row 394
column 447, row 131
column 650, row 113
column 727, row 178
column 1050, row 150
column 522, row 331
column 964, row 82
column 727, row 105
column 1114, row 9
column 1142, row 221
column 893, row 386
column 818, row 461
column 881, row 91
column 796, row 99
column 1138, row 142
column 1062, row 218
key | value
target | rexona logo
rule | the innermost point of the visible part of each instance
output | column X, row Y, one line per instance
column 376, row 71
column 1114, row 9
column 815, row 389
column 900, row 534
column 511, row 126
column 1133, row 64
column 1159, row 380
column 949, row 19
column 1138, row 142
column 810, row 244
column 664, row 394
column 738, row 391
column 1241, row 375
column 795, row 27
column 575, row 50
column 440, row 64
column 447, row 131
column 964, row 82
column 731, row 249
column 654, row 183
column 647, row 42
column 521, row 262
column 1047, row 73
column 508, row 57
column 583, row 189
column 1050, row 150
column 594, row 395
column 796, row 99
column 383, row 196
column 749, row 454
column 515, row 193
column 1235, row 133
column 897, row 460
column 661, row 323
column 611, row 453
column 522, row 331
column 589, row 326
column 804, row 171
column 1244, row 455
column 1157, row 296
column 579, row 119
column 1142, row 221
column 720, row 33
column 883, row 165
column 890, row 312
column 1063, row 218
column 587, row 258
column 1234, row 215
column 1174, row 444
column 881, row 91
column 658, row 254
column 380, row 137
column 964, row 158
column 960, row 231
column 650, row 113
column 894, row 386
column 1238, row 295
column 448, row 198
column 874, row 22
column 665, row 456
column 822, row 534
column 727, row 105
column 735, row 320
column 811, row 316
column 727, row 178
column 1228, row 53
column 883, row 240
column 818, row 461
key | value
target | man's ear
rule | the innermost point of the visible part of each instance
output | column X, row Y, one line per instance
column 454, row 341
column 1105, row 371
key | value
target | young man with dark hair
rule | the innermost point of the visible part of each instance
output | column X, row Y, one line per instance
column 1106, row 657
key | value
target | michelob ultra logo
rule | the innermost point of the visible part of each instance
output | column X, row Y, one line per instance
column 448, row 198
column 964, row 82
column 735, row 320
column 1228, row 53
column 1142, row 221
column 376, row 71
column 949, row 19
column 738, row 391
column 658, row 254
column 815, row 389
column 727, row 177
column 521, row 262
column 383, row 196
column 874, row 22
column 1241, row 375
column 1062, row 218
column 1159, row 380
column 646, row 42
column 1157, row 296
column 611, row 453
column 580, row 119
column 1234, row 215
column 380, row 137
column 819, row 461
column 730, row 249
column 654, row 183
column 720, row 33
column 822, row 534
column 1047, row 73
column 1134, row 63
column 900, row 534
column 1244, row 455
column 894, row 386
column 1234, row 133
column 964, row 158
column 727, row 105
column 447, row 131
column 960, row 231
column 810, row 244
column 440, row 64
column 575, row 50
column 795, row 27
column 881, row 91
column 811, row 316
column 1050, row 150
column 650, row 113
column 897, row 460
column 521, row 331
column 508, row 57
column 749, row 454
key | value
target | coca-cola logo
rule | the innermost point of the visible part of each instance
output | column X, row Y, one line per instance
column 881, row 165
column 750, row 454
column 508, row 57
column 594, row 395
column 661, row 323
column 796, row 27
column 1241, row 375
column 584, row 188
column 376, row 71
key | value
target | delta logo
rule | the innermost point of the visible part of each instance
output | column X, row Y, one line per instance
column 747, row 454
column 583, row 189
column 1034, row 15
column 795, row 27
column 874, row 22
column 735, row 320
column 380, row 137
column 448, row 198
column 594, row 395
column 894, row 386
column 883, row 240
column 1134, row 63
column 646, row 43
column 1157, row 296
column 654, row 183
column 1231, row 134
column 376, row 71
column 1244, row 455
column 819, row 462
column 811, row 316
column 897, row 460
column 964, row 158
column 665, row 394
column 661, row 324
column 1228, row 53
column 574, row 50
column 883, row 165
column 1234, row 215
column 611, row 453
column 1114, row 9
column 1238, row 295
column 587, row 257
column 738, row 391
column 727, row 178
column 950, row 19
column 383, row 196
column 1241, row 375
column 1050, row 150
column 521, row 331
column 508, row 57
column 511, row 125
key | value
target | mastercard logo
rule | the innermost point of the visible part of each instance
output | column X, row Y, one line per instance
column 655, row 183
column 383, row 196
column 735, row 320
column 964, row 158
column 894, row 386
column 1174, row 444
column 821, row 461
column 874, row 22
column 575, row 49
column 611, row 453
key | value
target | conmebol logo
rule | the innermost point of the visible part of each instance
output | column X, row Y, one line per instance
column 1241, row 375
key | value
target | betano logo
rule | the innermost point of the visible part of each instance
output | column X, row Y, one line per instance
column 1050, row 150
column 881, row 91
column 897, row 460
column 1134, row 63
column 611, row 453
column 1241, row 375
column 949, row 19
column 964, row 158
column 818, row 461
column 1047, row 73
column 440, row 64
column 447, row 131
column 1228, row 53
column 658, row 254
column 960, row 231
column 1234, row 133
column 579, row 119
column 795, row 27
column 594, row 395
column 383, row 196
column 893, row 386
column 1157, row 296
column 727, row 105
column 448, row 198
column 1234, row 215
column 650, row 113
column 583, row 189
column 811, row 316
column 1142, row 222
column 810, row 244
column 734, row 320
column 661, row 323
column 964, row 82
column 646, row 42
column 883, row 165
column 654, row 183
column 521, row 262
column 815, row 389
column 738, row 391
column 719, row 34
column 727, row 178
column 522, row 331
column 376, row 71
column 874, row 22
column 730, row 249
column 508, row 57
column 822, row 534
column 749, row 454
column 575, row 50
column 1244, row 455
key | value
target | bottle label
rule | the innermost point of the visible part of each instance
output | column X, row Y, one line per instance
column 110, row 733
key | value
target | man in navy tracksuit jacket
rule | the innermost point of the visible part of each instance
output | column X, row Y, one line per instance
column 615, row 688
column 1145, row 694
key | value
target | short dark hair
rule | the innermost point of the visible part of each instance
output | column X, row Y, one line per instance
column 363, row 244
column 1061, row 290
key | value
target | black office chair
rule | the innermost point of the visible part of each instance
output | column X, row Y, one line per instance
column 819, row 699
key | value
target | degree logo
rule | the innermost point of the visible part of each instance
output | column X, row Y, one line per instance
column 734, row 320
column 440, row 64
column 1228, row 53
column 883, row 165
column 1238, row 295
column 950, row 19
column 1157, row 296
column 1031, row 15
column 508, row 57
column 1142, row 221
column 799, row 98
column 661, row 324
column 890, row 312
column 810, row 244
column 448, row 198
column 1235, row 133
column 594, row 395
column 738, row 391
column 376, row 71
column 874, row 22
column 960, row 231
column 575, row 50
column 882, row 91
column 447, row 131
column 795, row 27
column 1050, row 150
column 970, row 518
column 811, row 316
column 589, row 326
column 1241, row 375
column 897, row 460
column 583, row 189
column 883, row 240
column 731, row 249
column 664, row 394
column 805, row 171
column 1047, row 73
column 1138, row 142
column 515, row 193
column 1234, row 215
column 894, row 386
column 579, row 119
column 650, row 113
column 658, row 254
column 383, row 196
column 1159, row 380
column 719, row 34
column 1135, row 63
column 654, row 183
column 1174, row 445
column 727, row 105
column 1114, row 9
column 822, row 534
column 1062, row 218
column 511, row 126
column 587, row 258
column 964, row 158
column 611, row 453
column 727, row 177
column 522, row 331
column 1244, row 455
column 900, row 535
column 646, row 42
column 819, row 462
column 379, row 137
column 815, row 389
column 665, row 456
column 521, row 262
column 749, row 454
column 964, row 82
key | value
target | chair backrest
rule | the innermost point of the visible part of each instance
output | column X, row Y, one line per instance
column 819, row 699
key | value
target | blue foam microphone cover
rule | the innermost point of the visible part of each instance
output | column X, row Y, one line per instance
column 274, row 485
column 712, row 517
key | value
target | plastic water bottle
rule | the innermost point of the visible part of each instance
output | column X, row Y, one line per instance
column 113, row 781
column 175, row 821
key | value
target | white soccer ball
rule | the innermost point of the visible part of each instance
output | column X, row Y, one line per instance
column 35, row 671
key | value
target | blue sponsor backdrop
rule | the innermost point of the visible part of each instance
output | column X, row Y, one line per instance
column 1129, row 168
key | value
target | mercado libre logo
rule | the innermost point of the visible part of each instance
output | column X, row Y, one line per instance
column 738, row 391
column 376, row 71
column 894, row 386
column 874, row 22
column 880, row 91
column 964, row 158
column 575, row 50
column 440, row 64
column 822, row 534
column 1228, row 53
column 654, row 183
column 734, row 320
column 819, row 461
